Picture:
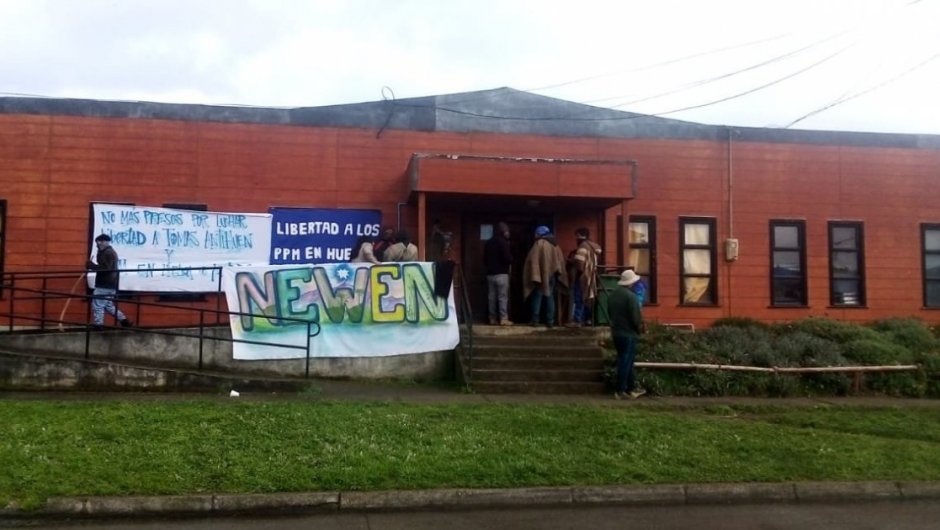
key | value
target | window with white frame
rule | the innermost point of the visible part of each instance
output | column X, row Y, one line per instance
column 3, row 235
column 642, row 256
column 698, row 274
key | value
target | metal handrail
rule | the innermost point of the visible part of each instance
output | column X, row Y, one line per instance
column 597, row 306
column 468, row 320
column 8, row 284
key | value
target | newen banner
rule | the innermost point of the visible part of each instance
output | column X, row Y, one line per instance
column 362, row 310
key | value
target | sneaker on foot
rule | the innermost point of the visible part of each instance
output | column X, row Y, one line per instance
column 126, row 323
column 505, row 322
column 637, row 393
column 493, row 322
column 618, row 395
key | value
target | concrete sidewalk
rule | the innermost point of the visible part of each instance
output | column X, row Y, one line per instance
column 451, row 499
column 400, row 392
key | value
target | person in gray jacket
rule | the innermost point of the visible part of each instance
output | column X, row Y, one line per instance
column 402, row 250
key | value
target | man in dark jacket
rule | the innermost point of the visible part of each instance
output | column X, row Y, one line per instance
column 497, row 258
column 106, row 283
column 379, row 246
column 626, row 325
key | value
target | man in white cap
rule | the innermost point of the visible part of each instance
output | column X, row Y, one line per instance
column 626, row 325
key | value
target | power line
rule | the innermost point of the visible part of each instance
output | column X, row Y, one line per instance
column 761, row 87
column 633, row 70
column 576, row 117
column 761, row 64
column 844, row 99
column 692, row 56
column 23, row 95
column 658, row 65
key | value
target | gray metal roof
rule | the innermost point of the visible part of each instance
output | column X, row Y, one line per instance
column 501, row 110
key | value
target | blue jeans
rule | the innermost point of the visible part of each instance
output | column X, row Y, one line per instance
column 581, row 312
column 535, row 301
column 104, row 301
column 626, row 356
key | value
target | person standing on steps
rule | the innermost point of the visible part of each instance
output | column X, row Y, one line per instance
column 544, row 268
column 403, row 249
column 626, row 326
column 363, row 252
column 497, row 259
column 379, row 246
column 583, row 265
column 106, row 283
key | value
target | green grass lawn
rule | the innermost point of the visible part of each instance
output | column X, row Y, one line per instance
column 171, row 447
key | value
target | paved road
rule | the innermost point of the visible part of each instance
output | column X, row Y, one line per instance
column 907, row 515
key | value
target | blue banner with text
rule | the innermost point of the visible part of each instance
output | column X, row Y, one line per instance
column 319, row 235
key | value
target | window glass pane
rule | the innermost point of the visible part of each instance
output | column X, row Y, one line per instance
column 695, row 291
column 786, row 263
column 846, row 292
column 696, row 262
column 788, row 291
column 845, row 264
column 3, row 215
column 843, row 237
column 933, row 294
column 639, row 233
column 932, row 239
column 696, row 234
column 932, row 262
column 786, row 237
column 640, row 261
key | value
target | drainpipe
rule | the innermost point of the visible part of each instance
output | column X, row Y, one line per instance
column 422, row 225
column 730, row 184
column 731, row 240
column 398, row 209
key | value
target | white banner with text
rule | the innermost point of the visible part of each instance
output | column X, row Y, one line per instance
column 149, row 239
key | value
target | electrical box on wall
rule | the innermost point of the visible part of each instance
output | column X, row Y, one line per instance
column 731, row 249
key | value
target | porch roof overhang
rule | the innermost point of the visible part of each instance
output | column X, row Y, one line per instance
column 492, row 179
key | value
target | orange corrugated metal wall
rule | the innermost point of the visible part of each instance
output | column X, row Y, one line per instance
column 52, row 167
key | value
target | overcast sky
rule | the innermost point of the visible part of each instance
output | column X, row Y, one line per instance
column 876, row 61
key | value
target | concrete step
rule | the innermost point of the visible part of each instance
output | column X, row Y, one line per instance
column 520, row 376
column 537, row 363
column 545, row 351
column 527, row 333
column 538, row 387
column 534, row 342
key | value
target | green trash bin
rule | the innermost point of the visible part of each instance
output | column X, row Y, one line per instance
column 608, row 282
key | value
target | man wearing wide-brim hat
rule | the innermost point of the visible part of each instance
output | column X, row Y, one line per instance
column 626, row 326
